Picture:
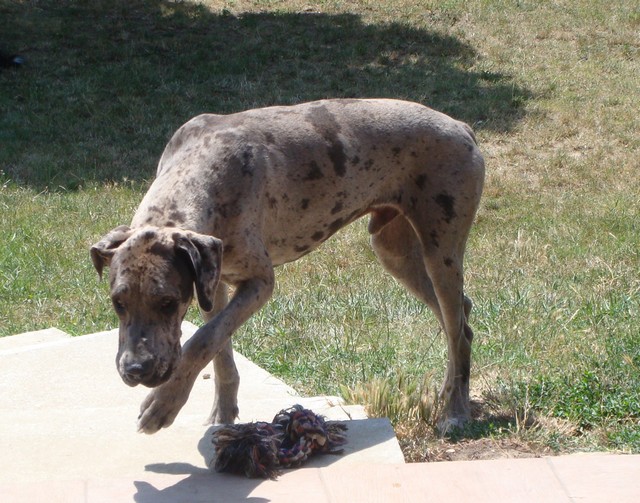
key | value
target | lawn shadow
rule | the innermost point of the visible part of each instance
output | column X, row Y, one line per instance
column 106, row 83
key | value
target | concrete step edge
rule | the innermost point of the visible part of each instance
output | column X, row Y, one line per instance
column 33, row 340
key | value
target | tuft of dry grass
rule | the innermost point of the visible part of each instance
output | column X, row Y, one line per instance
column 403, row 399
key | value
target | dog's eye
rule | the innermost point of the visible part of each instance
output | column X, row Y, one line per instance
column 168, row 305
column 119, row 306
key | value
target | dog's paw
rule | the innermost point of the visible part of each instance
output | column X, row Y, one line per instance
column 159, row 410
column 222, row 415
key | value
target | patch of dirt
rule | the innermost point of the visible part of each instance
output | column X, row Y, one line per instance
column 491, row 436
column 484, row 448
column 420, row 444
column 419, row 448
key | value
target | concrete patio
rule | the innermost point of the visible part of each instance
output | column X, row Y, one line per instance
column 68, row 434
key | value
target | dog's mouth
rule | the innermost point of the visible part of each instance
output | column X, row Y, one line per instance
column 156, row 377
column 150, row 382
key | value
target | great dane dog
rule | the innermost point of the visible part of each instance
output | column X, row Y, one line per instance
column 236, row 195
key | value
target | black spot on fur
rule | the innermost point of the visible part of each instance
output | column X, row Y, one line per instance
column 421, row 180
column 314, row 173
column 447, row 203
column 368, row 164
column 269, row 138
column 318, row 236
column 354, row 215
column 396, row 151
column 304, row 204
column 338, row 157
column 247, row 167
column 325, row 123
column 160, row 250
column 355, row 160
column 336, row 208
column 301, row 249
column 175, row 143
column 178, row 216
column 228, row 210
column 148, row 235
column 448, row 262
column 434, row 239
column 336, row 225
column 221, row 210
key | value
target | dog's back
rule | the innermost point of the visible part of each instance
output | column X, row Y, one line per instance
column 304, row 171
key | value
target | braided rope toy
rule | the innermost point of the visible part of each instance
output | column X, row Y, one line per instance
column 261, row 449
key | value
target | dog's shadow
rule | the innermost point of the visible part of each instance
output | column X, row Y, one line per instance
column 200, row 485
column 198, row 488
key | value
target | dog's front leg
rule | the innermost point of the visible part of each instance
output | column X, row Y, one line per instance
column 162, row 405
column 227, row 379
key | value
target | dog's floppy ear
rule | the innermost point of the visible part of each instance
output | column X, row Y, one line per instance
column 103, row 250
column 204, row 255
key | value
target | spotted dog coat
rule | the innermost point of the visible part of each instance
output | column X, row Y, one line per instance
column 236, row 195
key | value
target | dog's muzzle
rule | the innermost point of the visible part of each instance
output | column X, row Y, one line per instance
column 145, row 359
column 148, row 372
column 136, row 371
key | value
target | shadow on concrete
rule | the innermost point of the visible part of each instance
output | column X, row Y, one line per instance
column 108, row 82
column 199, row 488
column 201, row 484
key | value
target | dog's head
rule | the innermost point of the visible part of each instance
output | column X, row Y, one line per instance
column 152, row 272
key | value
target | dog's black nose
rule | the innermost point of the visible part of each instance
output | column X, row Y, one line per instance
column 137, row 369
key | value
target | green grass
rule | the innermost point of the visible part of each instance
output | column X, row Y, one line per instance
column 553, row 264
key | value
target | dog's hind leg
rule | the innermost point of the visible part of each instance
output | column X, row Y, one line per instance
column 444, row 242
column 400, row 252
column 398, row 249
column 431, row 269
column 227, row 378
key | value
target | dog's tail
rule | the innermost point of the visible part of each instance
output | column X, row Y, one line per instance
column 468, row 129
